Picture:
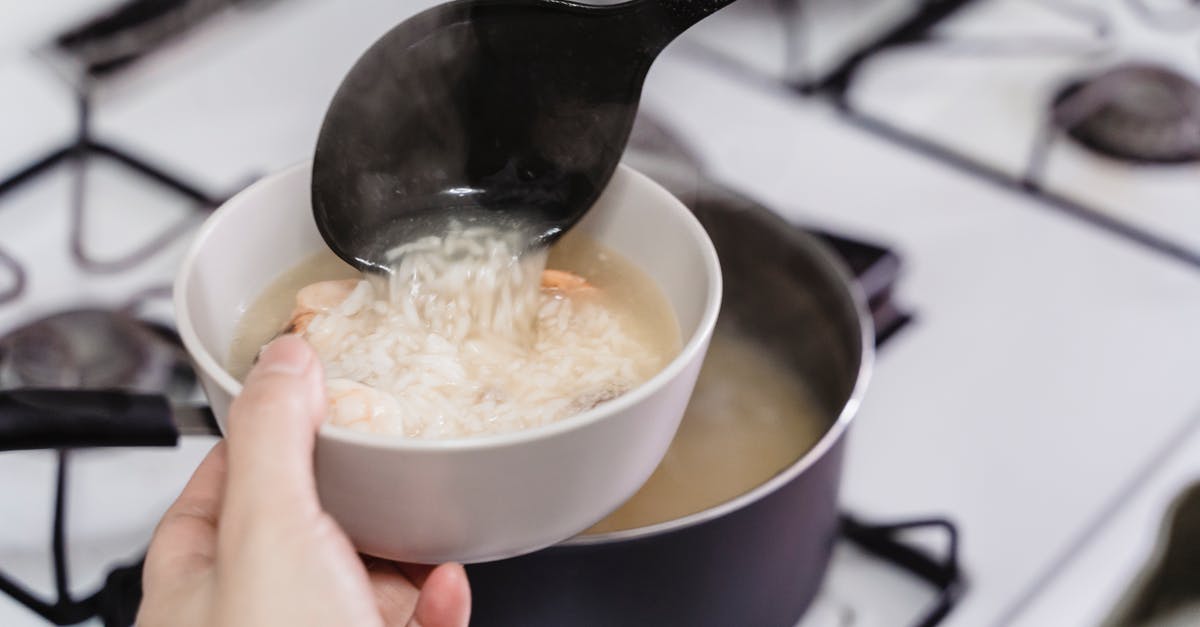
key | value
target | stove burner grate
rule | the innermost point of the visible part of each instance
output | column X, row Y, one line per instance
column 1135, row 112
column 91, row 348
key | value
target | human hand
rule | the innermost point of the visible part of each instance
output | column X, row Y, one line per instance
column 247, row 543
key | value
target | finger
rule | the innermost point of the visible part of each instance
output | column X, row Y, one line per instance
column 272, row 427
column 395, row 594
column 445, row 599
column 186, row 539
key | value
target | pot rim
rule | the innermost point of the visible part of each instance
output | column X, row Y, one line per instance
column 833, row 435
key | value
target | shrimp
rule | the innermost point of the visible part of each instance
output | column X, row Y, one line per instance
column 318, row 298
column 361, row 407
column 565, row 282
column 323, row 296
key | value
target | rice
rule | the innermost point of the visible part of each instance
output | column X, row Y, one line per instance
column 460, row 341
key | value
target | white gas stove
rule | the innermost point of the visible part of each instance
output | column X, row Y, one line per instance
column 1043, row 399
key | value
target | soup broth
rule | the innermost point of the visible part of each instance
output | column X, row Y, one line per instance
column 748, row 419
column 475, row 381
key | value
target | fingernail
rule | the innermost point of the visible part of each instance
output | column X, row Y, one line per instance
column 288, row 355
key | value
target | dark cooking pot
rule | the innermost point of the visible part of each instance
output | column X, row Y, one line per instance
column 758, row 559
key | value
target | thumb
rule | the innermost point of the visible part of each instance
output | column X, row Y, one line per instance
column 272, row 430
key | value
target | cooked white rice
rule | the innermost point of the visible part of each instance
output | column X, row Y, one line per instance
column 461, row 341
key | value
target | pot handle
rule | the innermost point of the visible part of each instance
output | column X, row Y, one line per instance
column 60, row 419
column 884, row 542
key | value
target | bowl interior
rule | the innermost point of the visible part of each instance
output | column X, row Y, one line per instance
column 269, row 228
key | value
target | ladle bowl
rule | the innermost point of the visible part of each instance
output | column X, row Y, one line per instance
column 509, row 111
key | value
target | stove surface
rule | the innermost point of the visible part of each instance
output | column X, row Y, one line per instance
column 1050, row 371
column 977, row 89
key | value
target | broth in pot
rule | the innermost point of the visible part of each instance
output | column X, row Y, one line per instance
column 749, row 418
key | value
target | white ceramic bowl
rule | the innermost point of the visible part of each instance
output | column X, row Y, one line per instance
column 481, row 498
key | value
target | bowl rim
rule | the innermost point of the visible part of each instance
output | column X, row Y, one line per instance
column 695, row 344
column 856, row 298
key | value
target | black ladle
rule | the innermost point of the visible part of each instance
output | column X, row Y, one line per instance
column 500, row 110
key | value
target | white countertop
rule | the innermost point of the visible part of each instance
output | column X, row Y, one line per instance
column 1099, row 569
column 1050, row 366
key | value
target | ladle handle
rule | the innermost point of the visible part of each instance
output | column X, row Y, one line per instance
column 680, row 15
